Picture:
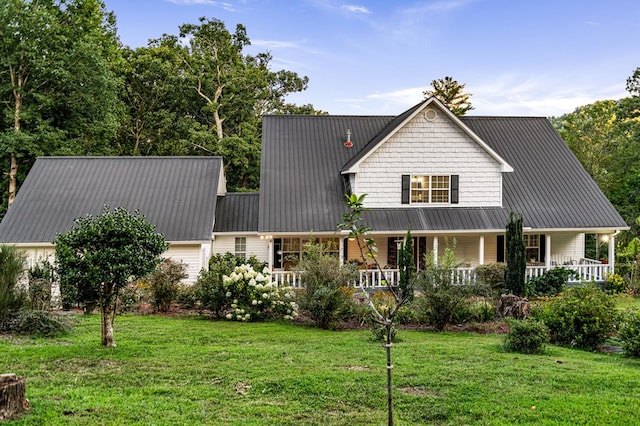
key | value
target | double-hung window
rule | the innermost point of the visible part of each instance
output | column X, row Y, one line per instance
column 241, row 247
column 429, row 189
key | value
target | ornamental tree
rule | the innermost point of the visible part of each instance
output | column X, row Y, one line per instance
column 514, row 274
column 101, row 254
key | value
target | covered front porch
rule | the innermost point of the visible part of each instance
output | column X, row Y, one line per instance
column 544, row 252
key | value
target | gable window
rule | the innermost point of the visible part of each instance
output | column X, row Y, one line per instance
column 430, row 189
column 241, row 247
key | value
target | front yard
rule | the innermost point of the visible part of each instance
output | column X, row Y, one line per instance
column 168, row 371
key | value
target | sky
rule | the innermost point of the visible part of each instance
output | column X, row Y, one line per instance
column 516, row 57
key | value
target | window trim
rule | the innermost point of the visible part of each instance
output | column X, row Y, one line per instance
column 453, row 189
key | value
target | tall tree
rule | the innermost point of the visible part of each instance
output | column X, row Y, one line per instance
column 451, row 93
column 57, row 87
column 101, row 254
column 514, row 274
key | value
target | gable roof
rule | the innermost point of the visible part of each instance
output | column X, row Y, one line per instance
column 177, row 194
column 302, row 188
column 401, row 120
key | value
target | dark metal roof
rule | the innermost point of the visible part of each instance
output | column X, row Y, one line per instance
column 177, row 194
column 302, row 189
column 237, row 212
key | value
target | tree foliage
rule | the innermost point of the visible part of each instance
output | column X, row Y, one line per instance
column 514, row 274
column 101, row 254
column 451, row 94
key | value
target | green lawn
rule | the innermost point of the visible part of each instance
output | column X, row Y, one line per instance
column 172, row 371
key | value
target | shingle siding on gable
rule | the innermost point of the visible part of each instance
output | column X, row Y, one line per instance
column 430, row 148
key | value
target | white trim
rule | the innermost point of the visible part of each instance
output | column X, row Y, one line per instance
column 504, row 166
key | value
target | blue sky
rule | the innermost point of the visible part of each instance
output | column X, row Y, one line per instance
column 516, row 57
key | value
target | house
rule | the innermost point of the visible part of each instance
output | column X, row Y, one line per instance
column 444, row 177
column 176, row 194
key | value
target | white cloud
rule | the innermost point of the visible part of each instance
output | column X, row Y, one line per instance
column 355, row 8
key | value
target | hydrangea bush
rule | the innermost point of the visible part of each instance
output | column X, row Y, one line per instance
column 253, row 296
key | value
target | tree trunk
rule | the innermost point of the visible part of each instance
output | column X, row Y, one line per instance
column 387, row 345
column 12, row 397
column 106, row 313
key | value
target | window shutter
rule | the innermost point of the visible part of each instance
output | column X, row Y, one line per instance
column 406, row 188
column 543, row 247
column 454, row 189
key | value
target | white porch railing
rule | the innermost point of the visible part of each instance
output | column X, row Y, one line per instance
column 589, row 272
column 374, row 279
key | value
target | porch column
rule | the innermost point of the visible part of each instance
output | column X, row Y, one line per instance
column 481, row 251
column 547, row 252
column 435, row 249
column 612, row 253
column 341, row 250
column 270, row 256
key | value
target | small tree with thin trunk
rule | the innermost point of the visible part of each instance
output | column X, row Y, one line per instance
column 514, row 274
column 101, row 254
column 351, row 222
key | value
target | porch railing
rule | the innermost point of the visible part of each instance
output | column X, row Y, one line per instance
column 374, row 279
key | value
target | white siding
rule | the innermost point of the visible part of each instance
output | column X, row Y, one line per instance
column 424, row 147
column 567, row 247
column 255, row 246
column 193, row 255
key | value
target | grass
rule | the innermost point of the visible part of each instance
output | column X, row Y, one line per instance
column 168, row 371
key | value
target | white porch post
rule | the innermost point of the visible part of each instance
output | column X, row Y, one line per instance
column 270, row 255
column 481, row 251
column 341, row 250
column 612, row 253
column 547, row 252
column 435, row 250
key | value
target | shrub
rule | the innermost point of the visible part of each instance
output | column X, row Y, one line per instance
column 131, row 295
column 164, row 283
column 254, row 297
column 583, row 316
column 527, row 336
column 442, row 299
column 37, row 323
column 615, row 284
column 629, row 333
column 209, row 291
column 41, row 278
column 550, row 283
column 324, row 280
column 492, row 275
column 187, row 297
column 12, row 263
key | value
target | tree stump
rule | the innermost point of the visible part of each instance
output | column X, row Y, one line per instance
column 12, row 396
column 513, row 306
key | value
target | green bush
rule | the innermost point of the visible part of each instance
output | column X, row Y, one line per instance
column 12, row 265
column 583, row 317
column 442, row 300
column 527, row 336
column 615, row 284
column 131, row 295
column 41, row 277
column 209, row 291
column 492, row 275
column 164, row 283
column 187, row 297
column 550, row 283
column 324, row 296
column 37, row 323
column 253, row 296
column 629, row 333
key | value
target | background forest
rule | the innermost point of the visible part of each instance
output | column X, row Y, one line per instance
column 69, row 87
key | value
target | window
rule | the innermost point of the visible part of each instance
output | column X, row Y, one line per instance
column 288, row 251
column 430, row 189
column 532, row 243
column 241, row 247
